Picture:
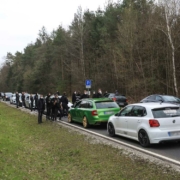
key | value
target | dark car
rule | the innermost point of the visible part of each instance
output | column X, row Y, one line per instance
column 121, row 100
column 7, row 96
column 161, row 98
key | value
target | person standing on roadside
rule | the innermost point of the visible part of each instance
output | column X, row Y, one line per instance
column 41, row 108
column 94, row 94
column 17, row 99
column 64, row 102
column 23, row 99
column 55, row 107
column 85, row 95
column 48, row 106
column 99, row 94
column 36, row 100
column 31, row 102
column 74, row 97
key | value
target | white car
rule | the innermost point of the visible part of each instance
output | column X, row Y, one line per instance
column 148, row 123
column 13, row 99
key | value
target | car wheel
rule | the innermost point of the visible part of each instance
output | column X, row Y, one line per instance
column 111, row 129
column 69, row 118
column 143, row 138
column 85, row 122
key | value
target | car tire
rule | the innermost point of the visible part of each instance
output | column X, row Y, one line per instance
column 85, row 122
column 69, row 118
column 143, row 138
column 111, row 129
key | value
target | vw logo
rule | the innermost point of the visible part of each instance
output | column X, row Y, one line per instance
column 174, row 121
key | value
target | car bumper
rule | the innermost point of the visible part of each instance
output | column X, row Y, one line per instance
column 161, row 136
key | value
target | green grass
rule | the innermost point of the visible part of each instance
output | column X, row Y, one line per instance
column 49, row 151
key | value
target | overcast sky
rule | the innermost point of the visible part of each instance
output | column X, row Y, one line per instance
column 21, row 20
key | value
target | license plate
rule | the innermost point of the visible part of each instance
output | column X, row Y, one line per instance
column 177, row 133
column 108, row 112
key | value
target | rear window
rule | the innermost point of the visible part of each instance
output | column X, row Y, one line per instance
column 106, row 104
column 166, row 112
column 170, row 98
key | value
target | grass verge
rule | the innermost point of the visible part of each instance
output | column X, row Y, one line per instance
column 49, row 151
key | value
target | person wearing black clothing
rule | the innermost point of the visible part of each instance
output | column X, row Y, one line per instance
column 40, row 107
column 64, row 102
column 17, row 99
column 74, row 97
column 31, row 101
column 36, row 100
column 58, row 93
column 99, row 94
column 55, row 107
column 23, row 99
column 85, row 95
column 94, row 94
column 48, row 106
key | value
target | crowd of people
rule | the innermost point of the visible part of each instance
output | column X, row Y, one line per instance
column 54, row 105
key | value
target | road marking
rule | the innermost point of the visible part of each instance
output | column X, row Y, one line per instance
column 126, row 144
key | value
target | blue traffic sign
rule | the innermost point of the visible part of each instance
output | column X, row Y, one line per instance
column 88, row 83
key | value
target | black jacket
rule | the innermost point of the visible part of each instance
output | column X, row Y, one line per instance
column 48, row 101
column 84, row 96
column 73, row 98
column 17, row 97
column 23, row 97
column 41, row 104
column 55, row 104
column 64, row 100
column 31, row 99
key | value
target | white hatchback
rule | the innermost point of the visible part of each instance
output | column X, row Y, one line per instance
column 148, row 123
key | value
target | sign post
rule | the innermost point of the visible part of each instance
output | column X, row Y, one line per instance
column 88, row 85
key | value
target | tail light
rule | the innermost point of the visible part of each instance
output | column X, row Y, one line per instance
column 94, row 113
column 114, row 99
column 126, row 100
column 154, row 123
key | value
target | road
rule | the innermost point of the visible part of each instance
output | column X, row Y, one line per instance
column 168, row 149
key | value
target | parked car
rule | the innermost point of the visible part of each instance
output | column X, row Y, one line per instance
column 28, row 101
column 13, row 99
column 7, row 96
column 161, row 98
column 92, row 111
column 121, row 100
column 147, row 123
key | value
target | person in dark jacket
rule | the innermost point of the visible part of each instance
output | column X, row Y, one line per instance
column 105, row 94
column 54, row 107
column 64, row 102
column 48, row 106
column 99, row 94
column 58, row 93
column 31, row 101
column 23, row 99
column 94, row 94
column 36, row 100
column 74, row 97
column 17, row 99
column 40, row 107
column 85, row 95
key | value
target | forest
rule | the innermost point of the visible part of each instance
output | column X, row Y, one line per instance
column 131, row 46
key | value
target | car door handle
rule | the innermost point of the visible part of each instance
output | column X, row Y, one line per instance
column 138, row 121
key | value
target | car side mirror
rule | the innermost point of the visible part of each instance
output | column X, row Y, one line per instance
column 117, row 114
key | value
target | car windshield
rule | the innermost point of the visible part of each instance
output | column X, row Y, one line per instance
column 166, row 112
column 106, row 104
column 170, row 98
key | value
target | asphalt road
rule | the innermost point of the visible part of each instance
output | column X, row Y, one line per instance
column 168, row 149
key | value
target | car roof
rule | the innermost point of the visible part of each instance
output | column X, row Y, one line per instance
column 98, row 99
column 154, row 105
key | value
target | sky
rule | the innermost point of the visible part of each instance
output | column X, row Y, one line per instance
column 21, row 20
